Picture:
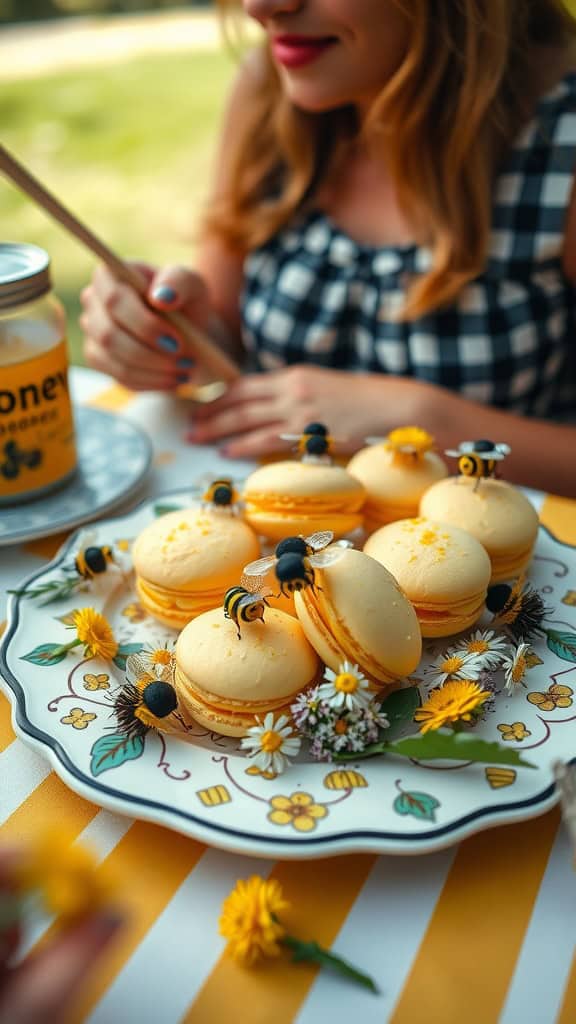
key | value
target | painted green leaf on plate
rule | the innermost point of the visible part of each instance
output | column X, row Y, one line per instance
column 45, row 654
column 418, row 805
column 112, row 751
column 562, row 644
column 124, row 650
column 163, row 510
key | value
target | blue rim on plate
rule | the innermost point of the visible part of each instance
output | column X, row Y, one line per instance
column 242, row 839
column 114, row 456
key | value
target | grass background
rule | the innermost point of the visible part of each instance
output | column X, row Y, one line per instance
column 128, row 148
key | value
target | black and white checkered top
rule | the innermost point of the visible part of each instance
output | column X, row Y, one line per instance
column 312, row 295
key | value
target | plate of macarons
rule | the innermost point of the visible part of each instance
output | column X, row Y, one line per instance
column 314, row 662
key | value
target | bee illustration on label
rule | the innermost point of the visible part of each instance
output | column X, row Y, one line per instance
column 295, row 559
column 246, row 603
column 478, row 459
column 16, row 459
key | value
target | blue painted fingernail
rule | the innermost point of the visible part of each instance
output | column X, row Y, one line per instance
column 185, row 363
column 164, row 293
column 167, row 343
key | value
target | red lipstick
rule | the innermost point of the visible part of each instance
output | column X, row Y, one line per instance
column 296, row 51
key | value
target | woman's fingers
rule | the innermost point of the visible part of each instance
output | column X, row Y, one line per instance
column 176, row 287
column 137, row 379
column 44, row 986
column 254, row 444
column 238, row 420
column 250, row 388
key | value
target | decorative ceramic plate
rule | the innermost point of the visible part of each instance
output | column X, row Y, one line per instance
column 206, row 787
column 113, row 458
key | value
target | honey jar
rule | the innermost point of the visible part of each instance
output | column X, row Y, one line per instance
column 37, row 445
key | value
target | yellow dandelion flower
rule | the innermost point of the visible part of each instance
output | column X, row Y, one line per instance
column 249, row 920
column 66, row 875
column 410, row 441
column 456, row 701
column 95, row 632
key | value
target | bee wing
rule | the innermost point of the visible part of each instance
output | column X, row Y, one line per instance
column 290, row 437
column 248, row 599
column 252, row 583
column 503, row 449
column 87, row 539
column 327, row 557
column 136, row 666
column 320, row 540
column 375, row 440
column 453, row 453
column 260, row 567
column 342, row 544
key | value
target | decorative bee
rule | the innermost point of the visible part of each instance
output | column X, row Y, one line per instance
column 314, row 444
column 295, row 559
column 245, row 604
column 518, row 608
column 142, row 705
column 478, row 459
column 221, row 494
column 91, row 561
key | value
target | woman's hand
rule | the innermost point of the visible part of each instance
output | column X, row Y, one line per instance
column 257, row 408
column 131, row 342
column 44, row 984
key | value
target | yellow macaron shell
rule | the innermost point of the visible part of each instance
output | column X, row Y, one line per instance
column 225, row 683
column 358, row 613
column 393, row 485
column 287, row 498
column 185, row 561
column 443, row 570
column 494, row 512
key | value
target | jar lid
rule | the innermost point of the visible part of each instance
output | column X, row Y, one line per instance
column 24, row 273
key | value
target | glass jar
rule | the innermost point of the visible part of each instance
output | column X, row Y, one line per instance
column 37, row 444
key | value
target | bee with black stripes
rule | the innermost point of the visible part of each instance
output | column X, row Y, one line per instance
column 221, row 494
column 478, row 459
column 245, row 604
column 295, row 559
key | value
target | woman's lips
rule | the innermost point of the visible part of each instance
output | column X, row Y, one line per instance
column 296, row 51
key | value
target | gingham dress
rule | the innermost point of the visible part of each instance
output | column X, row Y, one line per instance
column 313, row 295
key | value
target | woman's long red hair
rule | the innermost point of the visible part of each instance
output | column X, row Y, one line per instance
column 461, row 93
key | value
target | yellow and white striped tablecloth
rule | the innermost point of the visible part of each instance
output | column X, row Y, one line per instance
column 483, row 932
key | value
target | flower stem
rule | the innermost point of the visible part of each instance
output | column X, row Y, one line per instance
column 64, row 648
column 312, row 953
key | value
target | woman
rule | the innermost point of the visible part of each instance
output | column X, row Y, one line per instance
column 392, row 234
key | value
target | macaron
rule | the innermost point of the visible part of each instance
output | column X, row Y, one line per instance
column 227, row 683
column 287, row 498
column 185, row 561
column 396, row 472
column 357, row 612
column 443, row 570
column 495, row 512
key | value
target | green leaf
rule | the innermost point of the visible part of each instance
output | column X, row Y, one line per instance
column 124, row 650
column 562, row 644
column 45, row 654
column 112, row 751
column 419, row 805
column 399, row 708
column 444, row 744
column 312, row 953
column 163, row 510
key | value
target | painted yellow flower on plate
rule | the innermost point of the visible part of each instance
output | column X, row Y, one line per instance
column 517, row 731
column 99, row 682
column 298, row 810
column 557, row 696
column 95, row 632
column 78, row 719
column 249, row 920
column 455, row 701
column 134, row 612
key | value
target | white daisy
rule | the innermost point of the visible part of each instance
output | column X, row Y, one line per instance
column 347, row 688
column 488, row 647
column 159, row 662
column 516, row 666
column 454, row 664
column 271, row 743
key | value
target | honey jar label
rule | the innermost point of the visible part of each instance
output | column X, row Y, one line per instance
column 37, row 446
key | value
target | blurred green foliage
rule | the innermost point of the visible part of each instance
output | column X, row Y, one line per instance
column 34, row 10
column 127, row 147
